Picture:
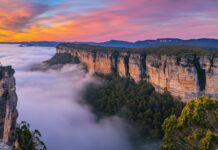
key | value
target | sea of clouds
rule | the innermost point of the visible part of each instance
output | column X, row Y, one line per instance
column 51, row 102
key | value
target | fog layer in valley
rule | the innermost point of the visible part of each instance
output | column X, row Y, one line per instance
column 50, row 102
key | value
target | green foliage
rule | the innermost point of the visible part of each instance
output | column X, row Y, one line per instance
column 205, row 143
column 169, row 123
column 180, row 50
column 63, row 58
column 196, row 127
column 170, row 50
column 92, row 48
column 28, row 140
column 138, row 103
column 216, row 114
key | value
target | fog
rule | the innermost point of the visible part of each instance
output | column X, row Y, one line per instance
column 50, row 101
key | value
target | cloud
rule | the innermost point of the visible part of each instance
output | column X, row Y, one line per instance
column 101, row 20
column 51, row 102
column 19, row 15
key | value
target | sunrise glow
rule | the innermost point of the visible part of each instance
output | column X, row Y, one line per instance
column 101, row 20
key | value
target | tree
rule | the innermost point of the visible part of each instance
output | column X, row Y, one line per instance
column 196, row 127
column 27, row 139
column 139, row 104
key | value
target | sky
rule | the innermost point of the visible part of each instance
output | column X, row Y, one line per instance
column 102, row 20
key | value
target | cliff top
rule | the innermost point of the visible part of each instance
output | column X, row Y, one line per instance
column 6, row 71
column 179, row 50
column 162, row 50
column 92, row 47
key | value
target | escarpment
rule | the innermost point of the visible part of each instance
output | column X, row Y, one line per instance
column 185, row 74
column 8, row 104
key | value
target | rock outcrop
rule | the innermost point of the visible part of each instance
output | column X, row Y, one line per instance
column 187, row 76
column 8, row 104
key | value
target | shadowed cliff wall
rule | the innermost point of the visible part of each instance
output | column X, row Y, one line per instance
column 8, row 104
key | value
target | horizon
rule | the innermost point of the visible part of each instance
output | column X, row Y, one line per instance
column 103, row 20
column 108, row 74
column 111, row 40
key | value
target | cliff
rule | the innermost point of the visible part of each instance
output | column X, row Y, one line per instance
column 185, row 72
column 8, row 103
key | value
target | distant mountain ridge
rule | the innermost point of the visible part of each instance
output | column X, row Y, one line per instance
column 203, row 42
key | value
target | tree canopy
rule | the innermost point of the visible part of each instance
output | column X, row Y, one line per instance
column 195, row 129
column 170, row 50
column 27, row 139
column 139, row 104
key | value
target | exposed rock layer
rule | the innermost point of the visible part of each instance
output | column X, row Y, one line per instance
column 8, row 104
column 187, row 76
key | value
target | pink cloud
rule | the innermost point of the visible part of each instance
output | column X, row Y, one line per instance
column 121, row 19
column 17, row 15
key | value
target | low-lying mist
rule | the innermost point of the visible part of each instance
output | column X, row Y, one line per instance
column 50, row 101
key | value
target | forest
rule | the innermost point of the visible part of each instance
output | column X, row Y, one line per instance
column 156, row 116
column 170, row 50
column 139, row 104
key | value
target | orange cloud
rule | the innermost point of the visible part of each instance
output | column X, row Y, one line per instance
column 121, row 19
column 83, row 28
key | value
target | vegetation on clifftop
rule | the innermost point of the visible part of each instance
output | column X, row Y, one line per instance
column 170, row 50
column 27, row 139
column 92, row 47
column 180, row 50
column 63, row 58
column 195, row 129
column 139, row 104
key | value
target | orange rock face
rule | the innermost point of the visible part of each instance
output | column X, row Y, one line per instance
column 164, row 73
column 134, row 67
column 103, row 63
column 88, row 59
column 211, row 87
column 122, row 70
column 186, row 77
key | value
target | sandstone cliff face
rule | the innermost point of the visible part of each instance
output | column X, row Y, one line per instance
column 8, row 103
column 177, row 76
column 123, row 64
column 187, row 76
